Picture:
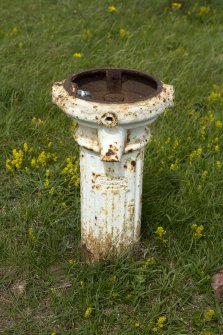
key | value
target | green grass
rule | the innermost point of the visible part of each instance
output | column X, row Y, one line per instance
column 40, row 292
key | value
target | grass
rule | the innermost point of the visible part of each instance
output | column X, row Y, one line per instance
column 45, row 287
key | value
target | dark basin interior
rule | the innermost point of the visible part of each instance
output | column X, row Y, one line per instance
column 113, row 85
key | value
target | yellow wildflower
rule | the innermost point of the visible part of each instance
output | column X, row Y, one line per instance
column 198, row 230
column 42, row 158
column 216, row 147
column 111, row 9
column 204, row 175
column 34, row 162
column 46, row 183
column 32, row 235
column 203, row 132
column 192, row 112
column 136, row 324
column 54, row 333
column 76, row 181
column 82, row 283
column 54, row 157
column 218, row 124
column 160, row 232
column 161, row 321
column 175, row 144
column 77, row 55
column 72, row 261
column 8, row 165
column 71, row 169
column 20, row 45
column 218, row 164
column 148, row 262
column 88, row 312
column 174, row 166
column 211, row 116
column 199, row 151
column 52, row 191
column 176, row 5
column 25, row 147
column 37, row 121
column 203, row 10
column 208, row 315
column 53, row 291
column 17, row 158
column 213, row 97
column 123, row 33
column 48, row 173
column 155, row 329
column 195, row 154
column 14, row 30
column 168, row 140
column 64, row 205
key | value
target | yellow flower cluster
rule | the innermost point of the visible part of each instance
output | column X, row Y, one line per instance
column 218, row 124
column 176, row 5
column 88, row 312
column 16, row 162
column 63, row 205
column 136, row 325
column 43, row 158
column 77, row 55
column 31, row 234
column 72, row 261
column 71, row 169
column 216, row 94
column 37, row 121
column 175, row 166
column 148, row 262
column 123, row 33
column 53, row 291
column 218, row 164
column 198, row 230
column 208, row 315
column 160, row 233
column 160, row 324
column 111, row 9
column 195, row 154
column 203, row 10
column 82, row 283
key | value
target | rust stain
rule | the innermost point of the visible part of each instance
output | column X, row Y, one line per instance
column 96, row 248
column 111, row 155
column 133, row 165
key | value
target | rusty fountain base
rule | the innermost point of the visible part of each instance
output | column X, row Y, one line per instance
column 113, row 108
